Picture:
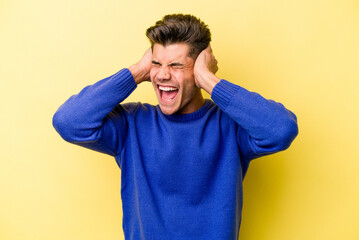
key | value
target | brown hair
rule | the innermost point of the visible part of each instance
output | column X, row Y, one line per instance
column 180, row 28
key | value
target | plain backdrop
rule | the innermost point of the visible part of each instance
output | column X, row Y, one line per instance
column 304, row 54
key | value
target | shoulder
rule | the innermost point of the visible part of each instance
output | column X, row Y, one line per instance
column 215, row 110
column 135, row 109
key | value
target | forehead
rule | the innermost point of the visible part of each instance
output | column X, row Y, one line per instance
column 177, row 52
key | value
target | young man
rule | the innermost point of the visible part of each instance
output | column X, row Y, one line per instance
column 183, row 161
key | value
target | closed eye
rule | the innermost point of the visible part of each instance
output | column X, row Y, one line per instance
column 176, row 65
column 155, row 63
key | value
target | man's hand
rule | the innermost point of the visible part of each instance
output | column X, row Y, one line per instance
column 141, row 70
column 205, row 68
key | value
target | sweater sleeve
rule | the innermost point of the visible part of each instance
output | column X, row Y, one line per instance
column 93, row 118
column 264, row 126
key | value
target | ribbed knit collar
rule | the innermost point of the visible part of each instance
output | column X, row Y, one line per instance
column 191, row 116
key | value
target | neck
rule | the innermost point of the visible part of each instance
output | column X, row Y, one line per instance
column 195, row 104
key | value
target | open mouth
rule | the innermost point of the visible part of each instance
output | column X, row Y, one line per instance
column 167, row 93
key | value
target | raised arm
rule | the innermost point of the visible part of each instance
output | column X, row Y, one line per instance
column 93, row 118
column 265, row 126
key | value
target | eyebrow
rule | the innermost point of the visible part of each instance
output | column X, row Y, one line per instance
column 176, row 64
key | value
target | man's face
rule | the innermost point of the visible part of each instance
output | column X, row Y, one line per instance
column 173, row 79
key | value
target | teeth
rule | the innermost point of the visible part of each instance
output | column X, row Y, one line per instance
column 167, row 88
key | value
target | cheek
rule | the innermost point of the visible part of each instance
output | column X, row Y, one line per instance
column 182, row 77
column 188, row 80
column 153, row 73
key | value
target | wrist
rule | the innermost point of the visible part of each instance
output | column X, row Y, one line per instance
column 137, row 73
column 207, row 81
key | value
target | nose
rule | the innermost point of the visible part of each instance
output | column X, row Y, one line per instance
column 164, row 74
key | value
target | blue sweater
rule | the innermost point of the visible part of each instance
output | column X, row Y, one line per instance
column 181, row 175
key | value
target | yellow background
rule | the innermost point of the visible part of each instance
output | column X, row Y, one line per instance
column 302, row 53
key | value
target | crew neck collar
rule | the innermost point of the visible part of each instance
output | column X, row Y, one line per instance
column 190, row 116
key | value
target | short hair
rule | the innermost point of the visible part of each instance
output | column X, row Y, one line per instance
column 180, row 28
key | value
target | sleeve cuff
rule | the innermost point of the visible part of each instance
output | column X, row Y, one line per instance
column 125, row 82
column 223, row 92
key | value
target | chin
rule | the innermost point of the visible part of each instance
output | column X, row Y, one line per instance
column 169, row 107
column 168, row 110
